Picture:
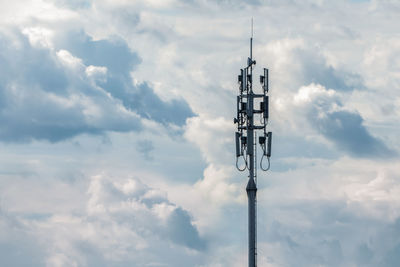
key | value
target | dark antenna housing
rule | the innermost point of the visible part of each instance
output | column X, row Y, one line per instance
column 245, row 138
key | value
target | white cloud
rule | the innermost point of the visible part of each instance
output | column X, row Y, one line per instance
column 96, row 73
column 213, row 136
column 306, row 94
column 68, row 59
column 333, row 70
column 39, row 37
column 103, row 230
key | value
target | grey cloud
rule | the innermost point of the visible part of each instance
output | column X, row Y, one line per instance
column 315, row 69
column 146, row 103
column 347, row 131
column 113, row 53
column 363, row 255
column 74, row 4
column 392, row 259
column 182, row 230
column 238, row 2
column 314, row 233
column 325, row 112
column 306, row 64
column 178, row 227
column 293, row 146
column 308, row 248
column 17, row 245
column 33, row 67
column 145, row 147
column 329, row 233
column 41, row 99
column 35, row 116
column 120, row 60
column 126, row 223
column 331, row 251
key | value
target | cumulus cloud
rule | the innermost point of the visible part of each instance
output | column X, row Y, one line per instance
column 306, row 64
column 322, row 111
column 131, row 198
column 202, row 131
column 137, row 73
column 124, row 218
column 344, row 128
column 117, row 57
column 46, row 94
column 320, row 226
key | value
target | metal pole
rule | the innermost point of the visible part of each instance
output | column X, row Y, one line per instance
column 251, row 188
column 251, row 195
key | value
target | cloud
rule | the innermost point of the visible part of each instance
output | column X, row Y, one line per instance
column 55, row 94
column 42, row 100
column 145, row 147
column 202, row 131
column 138, row 71
column 316, row 225
column 132, row 197
column 392, row 258
column 73, row 4
column 182, row 231
column 146, row 103
column 315, row 109
column 125, row 223
column 330, row 235
column 117, row 57
column 302, row 62
column 18, row 247
column 316, row 69
column 113, row 53
column 346, row 130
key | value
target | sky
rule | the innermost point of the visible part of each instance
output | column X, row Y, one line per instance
column 117, row 134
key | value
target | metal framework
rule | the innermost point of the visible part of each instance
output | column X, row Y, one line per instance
column 246, row 143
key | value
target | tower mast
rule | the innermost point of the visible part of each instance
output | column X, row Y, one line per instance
column 245, row 140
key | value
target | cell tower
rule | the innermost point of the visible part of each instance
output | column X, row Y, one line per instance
column 246, row 135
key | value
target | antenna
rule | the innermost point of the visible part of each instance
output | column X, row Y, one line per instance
column 251, row 40
column 246, row 135
column 252, row 28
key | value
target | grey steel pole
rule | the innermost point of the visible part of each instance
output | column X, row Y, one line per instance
column 251, row 188
column 251, row 195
